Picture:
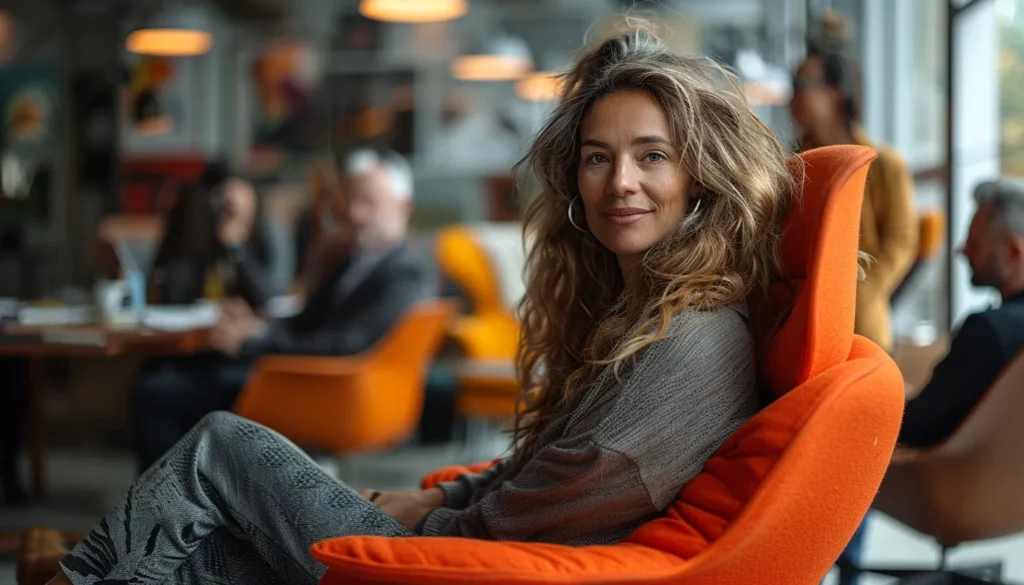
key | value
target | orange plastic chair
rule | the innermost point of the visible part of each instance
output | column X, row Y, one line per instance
column 931, row 229
column 781, row 498
column 350, row 404
column 490, row 333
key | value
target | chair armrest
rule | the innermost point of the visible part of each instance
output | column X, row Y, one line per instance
column 439, row 560
column 452, row 472
column 312, row 365
column 492, row 336
column 906, row 455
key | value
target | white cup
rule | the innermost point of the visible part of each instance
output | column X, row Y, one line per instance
column 111, row 297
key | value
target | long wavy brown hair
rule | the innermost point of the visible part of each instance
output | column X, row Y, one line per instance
column 578, row 315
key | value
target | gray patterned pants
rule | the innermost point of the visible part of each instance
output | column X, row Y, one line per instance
column 232, row 502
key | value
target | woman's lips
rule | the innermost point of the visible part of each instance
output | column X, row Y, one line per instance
column 626, row 215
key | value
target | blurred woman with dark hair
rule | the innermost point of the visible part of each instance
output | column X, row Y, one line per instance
column 218, row 244
column 827, row 108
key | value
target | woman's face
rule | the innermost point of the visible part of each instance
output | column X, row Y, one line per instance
column 239, row 200
column 632, row 182
column 815, row 105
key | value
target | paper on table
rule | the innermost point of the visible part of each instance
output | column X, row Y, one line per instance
column 44, row 316
column 285, row 306
column 9, row 307
column 182, row 318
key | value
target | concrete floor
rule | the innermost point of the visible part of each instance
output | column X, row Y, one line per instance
column 83, row 485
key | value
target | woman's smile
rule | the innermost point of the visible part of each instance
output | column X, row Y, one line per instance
column 625, row 215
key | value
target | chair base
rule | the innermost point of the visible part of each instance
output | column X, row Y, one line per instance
column 976, row 575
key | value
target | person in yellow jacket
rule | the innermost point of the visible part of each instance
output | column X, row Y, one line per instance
column 826, row 106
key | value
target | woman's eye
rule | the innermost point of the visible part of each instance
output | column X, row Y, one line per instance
column 596, row 158
column 654, row 157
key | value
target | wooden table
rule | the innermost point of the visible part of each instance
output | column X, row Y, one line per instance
column 37, row 343
column 487, row 389
column 916, row 362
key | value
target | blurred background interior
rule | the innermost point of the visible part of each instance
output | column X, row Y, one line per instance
column 103, row 126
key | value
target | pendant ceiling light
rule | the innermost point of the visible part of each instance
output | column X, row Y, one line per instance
column 502, row 58
column 413, row 10
column 547, row 83
column 539, row 86
column 178, row 31
column 6, row 35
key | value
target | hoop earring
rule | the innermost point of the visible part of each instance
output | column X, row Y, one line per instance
column 696, row 205
column 573, row 221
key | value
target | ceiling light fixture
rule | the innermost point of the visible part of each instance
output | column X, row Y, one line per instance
column 413, row 11
column 503, row 58
column 178, row 31
column 540, row 86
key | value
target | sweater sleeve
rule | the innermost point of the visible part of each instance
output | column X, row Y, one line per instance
column 458, row 493
column 599, row 481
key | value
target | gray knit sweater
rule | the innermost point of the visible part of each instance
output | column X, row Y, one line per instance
column 621, row 456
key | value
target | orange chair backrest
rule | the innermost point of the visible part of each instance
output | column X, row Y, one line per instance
column 491, row 331
column 820, row 257
column 413, row 340
column 932, row 230
column 462, row 259
column 350, row 404
column 968, row 488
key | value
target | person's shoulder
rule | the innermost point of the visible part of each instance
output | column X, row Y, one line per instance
column 721, row 334
column 729, row 320
column 406, row 255
column 994, row 321
column 411, row 262
column 888, row 159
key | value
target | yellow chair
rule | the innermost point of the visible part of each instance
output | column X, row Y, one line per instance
column 350, row 404
column 488, row 335
column 931, row 234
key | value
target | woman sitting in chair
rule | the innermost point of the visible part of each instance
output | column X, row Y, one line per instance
column 660, row 213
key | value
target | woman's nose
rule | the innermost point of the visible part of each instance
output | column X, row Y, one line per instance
column 624, row 180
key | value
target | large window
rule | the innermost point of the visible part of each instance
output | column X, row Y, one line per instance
column 1010, row 16
column 903, row 47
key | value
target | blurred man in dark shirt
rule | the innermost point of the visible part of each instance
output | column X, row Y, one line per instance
column 348, row 308
column 989, row 340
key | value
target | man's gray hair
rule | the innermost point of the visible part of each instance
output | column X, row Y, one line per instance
column 1006, row 196
column 398, row 170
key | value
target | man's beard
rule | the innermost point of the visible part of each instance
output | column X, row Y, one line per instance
column 987, row 275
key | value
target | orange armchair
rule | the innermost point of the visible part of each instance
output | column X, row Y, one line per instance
column 781, row 498
column 486, row 336
column 967, row 488
column 490, row 331
column 350, row 404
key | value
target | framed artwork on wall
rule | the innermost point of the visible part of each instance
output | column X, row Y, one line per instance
column 374, row 110
column 505, row 204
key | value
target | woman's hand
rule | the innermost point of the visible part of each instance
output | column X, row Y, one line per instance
column 407, row 507
column 237, row 324
column 239, row 213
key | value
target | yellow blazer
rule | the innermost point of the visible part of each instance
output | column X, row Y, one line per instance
column 888, row 233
